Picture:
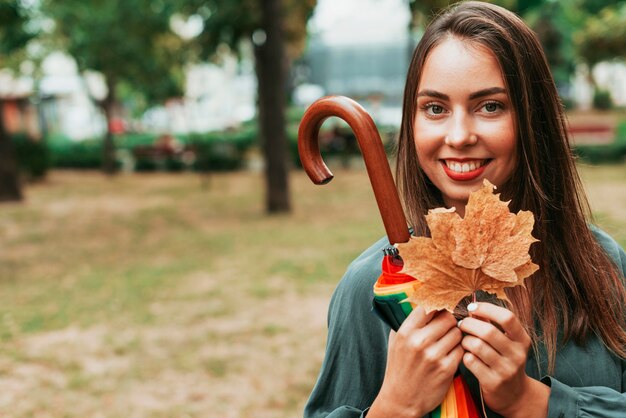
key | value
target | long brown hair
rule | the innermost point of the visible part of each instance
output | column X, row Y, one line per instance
column 577, row 285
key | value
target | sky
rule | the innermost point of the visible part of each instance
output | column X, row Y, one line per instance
column 360, row 21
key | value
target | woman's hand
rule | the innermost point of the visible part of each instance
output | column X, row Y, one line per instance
column 497, row 355
column 422, row 359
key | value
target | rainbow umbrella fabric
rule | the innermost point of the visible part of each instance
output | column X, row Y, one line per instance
column 391, row 291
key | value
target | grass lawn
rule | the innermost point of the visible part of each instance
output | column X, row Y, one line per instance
column 172, row 295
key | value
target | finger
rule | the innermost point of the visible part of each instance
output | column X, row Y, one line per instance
column 439, row 326
column 440, row 336
column 485, row 352
column 425, row 338
column 449, row 341
column 444, row 356
column 480, row 370
column 417, row 318
column 456, row 355
column 452, row 360
column 501, row 316
column 488, row 333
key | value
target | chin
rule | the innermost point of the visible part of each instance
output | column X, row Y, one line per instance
column 456, row 199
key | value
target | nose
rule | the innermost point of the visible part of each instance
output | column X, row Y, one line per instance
column 460, row 133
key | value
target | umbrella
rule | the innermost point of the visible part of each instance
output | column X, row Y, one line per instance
column 392, row 288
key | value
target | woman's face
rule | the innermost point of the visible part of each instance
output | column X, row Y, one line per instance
column 464, row 125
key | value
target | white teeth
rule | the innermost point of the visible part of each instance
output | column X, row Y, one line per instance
column 464, row 167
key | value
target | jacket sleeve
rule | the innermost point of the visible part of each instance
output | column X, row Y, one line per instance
column 592, row 401
column 356, row 348
column 586, row 402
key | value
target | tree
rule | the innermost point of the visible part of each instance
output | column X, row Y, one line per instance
column 276, row 42
column 593, row 7
column 272, row 79
column 129, row 42
column 549, row 20
column 554, row 29
column 603, row 37
column 14, row 35
column 423, row 11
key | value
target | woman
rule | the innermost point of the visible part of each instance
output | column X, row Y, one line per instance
column 480, row 103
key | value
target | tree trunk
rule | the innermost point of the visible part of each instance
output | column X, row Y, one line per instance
column 590, row 78
column 109, row 165
column 10, row 188
column 271, row 72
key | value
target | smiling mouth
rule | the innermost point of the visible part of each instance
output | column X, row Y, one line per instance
column 464, row 170
column 464, row 166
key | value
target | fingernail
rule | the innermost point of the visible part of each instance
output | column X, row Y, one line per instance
column 472, row 307
column 458, row 324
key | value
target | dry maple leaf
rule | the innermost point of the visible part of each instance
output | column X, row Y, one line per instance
column 486, row 250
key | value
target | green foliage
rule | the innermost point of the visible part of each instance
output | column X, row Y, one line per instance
column 218, row 155
column 595, row 6
column 86, row 154
column 554, row 28
column 602, row 99
column 33, row 158
column 603, row 36
column 601, row 154
column 214, row 151
column 568, row 103
column 126, row 40
column 424, row 11
column 549, row 19
column 14, row 30
column 229, row 22
column 131, row 43
column 225, row 22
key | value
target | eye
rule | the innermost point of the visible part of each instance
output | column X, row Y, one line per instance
column 436, row 110
column 433, row 109
column 492, row 107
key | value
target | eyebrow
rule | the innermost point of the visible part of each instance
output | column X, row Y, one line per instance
column 433, row 93
column 487, row 92
column 475, row 95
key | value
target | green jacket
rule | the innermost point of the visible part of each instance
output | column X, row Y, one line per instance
column 588, row 381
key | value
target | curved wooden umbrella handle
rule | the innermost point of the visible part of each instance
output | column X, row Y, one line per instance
column 373, row 153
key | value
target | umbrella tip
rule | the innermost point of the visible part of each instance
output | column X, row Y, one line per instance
column 324, row 180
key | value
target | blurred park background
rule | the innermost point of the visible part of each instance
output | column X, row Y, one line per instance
column 162, row 254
